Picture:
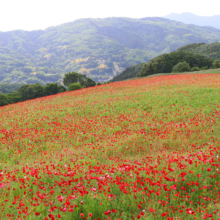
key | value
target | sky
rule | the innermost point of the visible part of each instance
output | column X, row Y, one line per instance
column 40, row 14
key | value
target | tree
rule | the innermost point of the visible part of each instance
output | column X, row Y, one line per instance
column 14, row 97
column 61, row 88
column 74, row 86
column 3, row 100
column 41, row 75
column 34, row 80
column 86, row 82
column 31, row 91
column 165, row 62
column 181, row 67
column 74, row 77
column 71, row 77
column 51, row 89
column 216, row 64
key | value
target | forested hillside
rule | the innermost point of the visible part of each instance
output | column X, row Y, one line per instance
column 209, row 50
column 99, row 48
column 166, row 63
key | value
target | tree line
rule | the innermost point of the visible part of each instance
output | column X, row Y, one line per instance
column 72, row 81
column 178, row 61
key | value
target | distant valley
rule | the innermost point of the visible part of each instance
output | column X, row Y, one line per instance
column 99, row 48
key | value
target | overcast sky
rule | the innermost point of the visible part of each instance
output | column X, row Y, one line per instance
column 40, row 14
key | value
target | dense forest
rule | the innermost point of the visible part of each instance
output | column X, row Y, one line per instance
column 99, row 48
column 209, row 50
column 166, row 62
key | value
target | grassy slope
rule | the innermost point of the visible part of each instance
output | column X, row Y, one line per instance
column 142, row 147
column 116, row 42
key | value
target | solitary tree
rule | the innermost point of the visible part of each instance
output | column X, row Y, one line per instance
column 86, row 82
column 74, row 77
column 71, row 77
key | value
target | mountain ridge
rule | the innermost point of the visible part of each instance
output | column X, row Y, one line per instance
column 190, row 18
column 99, row 48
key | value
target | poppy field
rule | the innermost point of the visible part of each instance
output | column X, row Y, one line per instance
column 139, row 149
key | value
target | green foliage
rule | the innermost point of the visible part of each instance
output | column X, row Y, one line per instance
column 165, row 62
column 9, row 87
column 34, row 80
column 61, row 89
column 41, row 75
column 86, row 82
column 3, row 100
column 181, row 67
column 74, row 86
column 195, row 69
column 210, row 50
column 71, row 77
column 205, row 68
column 85, row 44
column 216, row 64
column 129, row 73
column 51, row 89
column 74, row 77
column 14, row 97
column 31, row 91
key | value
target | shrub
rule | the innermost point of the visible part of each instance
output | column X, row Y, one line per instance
column 181, row 67
column 74, row 86
column 195, row 68
column 204, row 68
column 61, row 88
column 216, row 64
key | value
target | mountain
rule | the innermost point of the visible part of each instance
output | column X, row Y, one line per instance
column 189, row 18
column 99, row 48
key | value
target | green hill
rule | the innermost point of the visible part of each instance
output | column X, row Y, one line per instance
column 197, row 55
column 99, row 48
column 209, row 50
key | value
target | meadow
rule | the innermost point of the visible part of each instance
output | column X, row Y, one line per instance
column 140, row 149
